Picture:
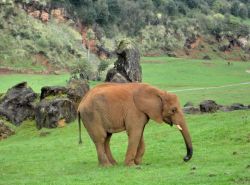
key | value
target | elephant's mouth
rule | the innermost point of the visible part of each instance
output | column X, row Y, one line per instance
column 168, row 121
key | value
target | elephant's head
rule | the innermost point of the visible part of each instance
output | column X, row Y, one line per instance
column 162, row 106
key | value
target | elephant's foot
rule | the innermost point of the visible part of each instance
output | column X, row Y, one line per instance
column 113, row 162
column 106, row 164
column 130, row 163
column 138, row 161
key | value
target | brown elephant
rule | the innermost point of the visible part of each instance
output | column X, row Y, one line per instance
column 110, row 108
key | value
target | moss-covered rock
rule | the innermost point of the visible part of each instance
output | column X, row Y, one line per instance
column 17, row 104
column 128, row 63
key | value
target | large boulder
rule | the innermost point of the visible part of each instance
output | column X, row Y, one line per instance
column 17, row 104
column 208, row 106
column 58, row 104
column 52, row 91
column 76, row 90
column 128, row 64
column 5, row 131
column 53, row 113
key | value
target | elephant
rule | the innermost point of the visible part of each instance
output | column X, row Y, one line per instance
column 112, row 107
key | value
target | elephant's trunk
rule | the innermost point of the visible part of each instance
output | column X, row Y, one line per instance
column 188, row 141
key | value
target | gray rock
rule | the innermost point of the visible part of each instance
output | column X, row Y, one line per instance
column 52, row 91
column 206, row 57
column 191, row 110
column 238, row 106
column 52, row 113
column 17, row 104
column 127, row 64
column 225, row 108
column 118, row 78
column 76, row 90
column 208, row 106
column 188, row 104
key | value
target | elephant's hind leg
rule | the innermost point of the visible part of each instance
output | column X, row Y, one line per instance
column 140, row 152
column 102, row 157
column 108, row 151
column 99, row 136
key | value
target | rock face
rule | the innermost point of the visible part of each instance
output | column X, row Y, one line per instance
column 18, row 103
column 53, row 113
column 5, row 131
column 127, row 68
column 208, row 106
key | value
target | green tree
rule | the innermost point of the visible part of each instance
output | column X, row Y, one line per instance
column 243, row 12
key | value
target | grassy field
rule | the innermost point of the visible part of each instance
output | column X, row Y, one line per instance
column 221, row 140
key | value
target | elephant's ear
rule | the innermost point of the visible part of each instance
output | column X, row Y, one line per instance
column 148, row 100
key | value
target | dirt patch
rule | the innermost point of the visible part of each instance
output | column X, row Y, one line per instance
column 5, row 71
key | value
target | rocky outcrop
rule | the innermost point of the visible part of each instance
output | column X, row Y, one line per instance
column 45, row 12
column 128, row 64
column 17, row 104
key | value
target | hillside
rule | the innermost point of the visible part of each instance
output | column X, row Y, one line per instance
column 183, row 28
column 49, row 35
column 34, row 45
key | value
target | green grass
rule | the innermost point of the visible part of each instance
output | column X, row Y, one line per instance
column 36, row 82
column 221, row 140
column 221, row 155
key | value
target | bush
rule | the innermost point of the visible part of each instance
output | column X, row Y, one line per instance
column 81, row 70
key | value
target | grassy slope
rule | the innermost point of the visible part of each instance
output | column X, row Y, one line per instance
column 221, row 141
column 28, row 44
column 221, row 155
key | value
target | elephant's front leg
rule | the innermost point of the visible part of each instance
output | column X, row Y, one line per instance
column 134, row 137
column 140, row 152
column 108, row 151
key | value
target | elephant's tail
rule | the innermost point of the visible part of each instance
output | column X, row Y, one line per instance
column 80, row 128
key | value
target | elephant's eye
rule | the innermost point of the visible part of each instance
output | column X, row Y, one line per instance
column 174, row 110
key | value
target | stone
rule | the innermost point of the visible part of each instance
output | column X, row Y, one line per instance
column 17, row 104
column 52, row 91
column 225, row 108
column 118, row 78
column 206, row 57
column 127, row 64
column 191, row 110
column 208, row 106
column 76, row 90
column 5, row 131
column 238, row 106
column 55, row 112
column 188, row 104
